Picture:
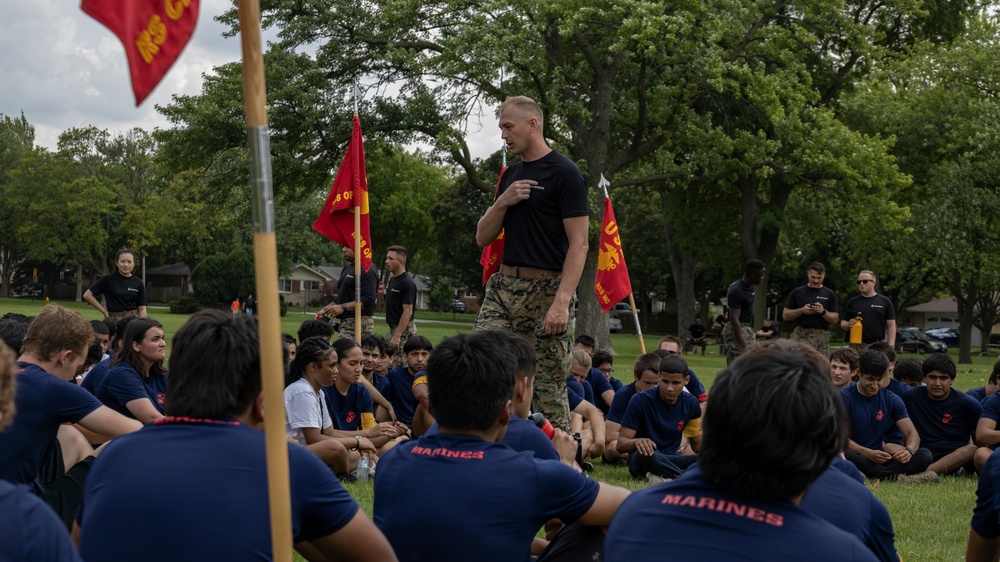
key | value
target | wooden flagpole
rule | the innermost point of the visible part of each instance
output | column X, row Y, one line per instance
column 357, row 243
column 604, row 184
column 266, row 266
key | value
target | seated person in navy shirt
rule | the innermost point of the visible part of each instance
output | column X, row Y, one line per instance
column 137, row 382
column 307, row 415
column 497, row 499
column 201, row 490
column 987, row 435
column 843, row 367
column 605, row 363
column 655, row 421
column 891, row 383
column 983, row 392
column 586, row 421
column 350, row 405
column 38, row 448
column 646, row 371
column 877, row 417
column 984, row 535
column 945, row 417
column 409, row 385
column 669, row 345
column 601, row 389
column 371, row 350
column 31, row 530
column 775, row 425
column 909, row 372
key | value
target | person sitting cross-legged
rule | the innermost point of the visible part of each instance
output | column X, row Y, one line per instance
column 646, row 371
column 192, row 486
column 655, row 421
column 945, row 417
column 878, row 417
column 491, row 499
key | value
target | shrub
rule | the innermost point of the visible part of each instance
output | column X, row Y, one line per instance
column 185, row 305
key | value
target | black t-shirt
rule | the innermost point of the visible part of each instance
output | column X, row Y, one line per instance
column 875, row 310
column 804, row 295
column 400, row 290
column 533, row 229
column 120, row 293
column 740, row 296
column 345, row 290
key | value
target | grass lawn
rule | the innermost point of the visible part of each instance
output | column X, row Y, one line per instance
column 931, row 521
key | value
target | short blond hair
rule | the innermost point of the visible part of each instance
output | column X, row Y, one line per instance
column 8, row 385
column 582, row 358
column 527, row 106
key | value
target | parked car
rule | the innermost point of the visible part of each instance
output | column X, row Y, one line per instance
column 621, row 308
column 948, row 335
column 614, row 324
column 456, row 306
column 916, row 341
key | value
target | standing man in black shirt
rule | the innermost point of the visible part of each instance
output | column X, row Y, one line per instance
column 541, row 206
column 739, row 334
column 400, row 296
column 878, row 317
column 814, row 309
column 343, row 304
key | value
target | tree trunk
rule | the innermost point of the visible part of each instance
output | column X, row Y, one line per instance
column 79, row 282
column 966, row 301
column 590, row 318
column 682, row 266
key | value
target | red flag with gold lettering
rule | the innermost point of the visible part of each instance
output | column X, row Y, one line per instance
column 153, row 32
column 493, row 252
column 612, row 283
column 349, row 189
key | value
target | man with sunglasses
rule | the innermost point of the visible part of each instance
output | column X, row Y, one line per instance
column 878, row 317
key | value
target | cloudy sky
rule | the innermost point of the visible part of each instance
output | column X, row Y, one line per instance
column 63, row 69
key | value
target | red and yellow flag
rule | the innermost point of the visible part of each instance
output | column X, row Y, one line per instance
column 349, row 190
column 153, row 32
column 493, row 252
column 612, row 283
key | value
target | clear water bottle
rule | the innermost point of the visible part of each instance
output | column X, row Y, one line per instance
column 363, row 467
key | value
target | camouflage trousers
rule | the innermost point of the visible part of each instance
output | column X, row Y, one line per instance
column 519, row 306
column 347, row 328
column 399, row 359
column 732, row 345
column 816, row 337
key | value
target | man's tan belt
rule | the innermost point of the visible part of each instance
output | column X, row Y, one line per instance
column 523, row 272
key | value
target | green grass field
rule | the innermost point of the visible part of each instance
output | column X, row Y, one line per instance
column 931, row 521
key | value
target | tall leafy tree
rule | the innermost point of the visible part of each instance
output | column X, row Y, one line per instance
column 16, row 138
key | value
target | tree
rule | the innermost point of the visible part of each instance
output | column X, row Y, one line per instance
column 220, row 278
column 16, row 137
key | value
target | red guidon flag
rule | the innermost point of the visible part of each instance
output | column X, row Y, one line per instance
column 154, row 32
column 611, row 283
column 349, row 190
column 493, row 252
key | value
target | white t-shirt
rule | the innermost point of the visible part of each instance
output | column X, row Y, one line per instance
column 304, row 407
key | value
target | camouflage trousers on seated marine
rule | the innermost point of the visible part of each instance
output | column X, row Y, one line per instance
column 399, row 359
column 347, row 328
column 816, row 337
column 519, row 306
column 732, row 345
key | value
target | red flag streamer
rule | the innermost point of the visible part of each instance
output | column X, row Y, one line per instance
column 493, row 252
column 612, row 283
column 349, row 189
column 153, row 32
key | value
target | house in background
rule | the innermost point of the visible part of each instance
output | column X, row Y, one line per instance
column 168, row 282
column 940, row 313
column 303, row 285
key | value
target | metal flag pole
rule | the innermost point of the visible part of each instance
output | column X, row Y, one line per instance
column 605, row 184
column 266, row 266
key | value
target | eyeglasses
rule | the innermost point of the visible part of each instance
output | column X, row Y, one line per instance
column 863, row 281
column 607, row 371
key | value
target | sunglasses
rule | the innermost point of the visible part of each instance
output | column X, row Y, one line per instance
column 863, row 281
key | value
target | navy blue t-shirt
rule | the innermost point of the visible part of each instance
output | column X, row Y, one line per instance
column 521, row 435
column 345, row 411
column 873, row 419
column 574, row 395
column 986, row 514
column 651, row 417
column 95, row 378
column 533, row 228
column 943, row 424
column 740, row 297
column 695, row 387
column 31, row 530
column 898, row 387
column 490, row 499
column 620, row 403
column 599, row 384
column 978, row 393
column 848, row 468
column 582, row 389
column 616, row 384
column 403, row 401
column 382, row 385
column 201, row 490
column 690, row 519
column 851, row 506
column 124, row 384
column 43, row 403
